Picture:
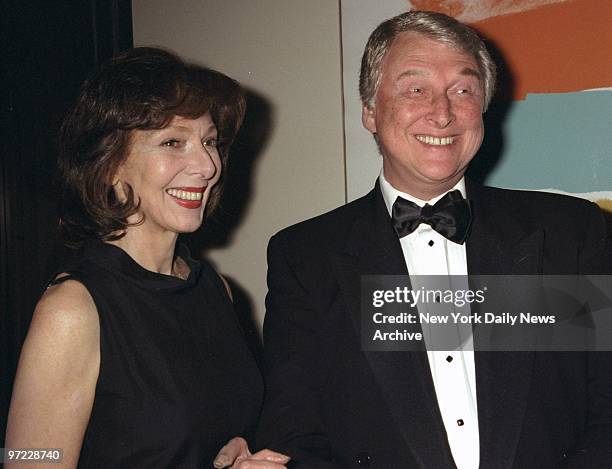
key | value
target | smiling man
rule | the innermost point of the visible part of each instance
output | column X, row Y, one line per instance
column 425, row 82
column 426, row 114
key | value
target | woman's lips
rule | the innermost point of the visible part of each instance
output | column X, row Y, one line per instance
column 188, row 197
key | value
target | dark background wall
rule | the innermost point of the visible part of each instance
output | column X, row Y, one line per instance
column 48, row 49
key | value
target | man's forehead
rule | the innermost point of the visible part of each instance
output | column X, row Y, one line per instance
column 416, row 52
column 422, row 43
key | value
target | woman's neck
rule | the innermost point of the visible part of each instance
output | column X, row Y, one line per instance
column 154, row 253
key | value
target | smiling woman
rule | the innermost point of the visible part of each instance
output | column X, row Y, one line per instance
column 134, row 357
column 141, row 93
column 173, row 171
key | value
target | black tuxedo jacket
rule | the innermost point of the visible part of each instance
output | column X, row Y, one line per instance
column 329, row 404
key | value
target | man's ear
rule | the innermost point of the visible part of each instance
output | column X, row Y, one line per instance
column 368, row 118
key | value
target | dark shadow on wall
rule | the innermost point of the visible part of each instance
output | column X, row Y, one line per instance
column 493, row 147
column 250, row 142
column 218, row 229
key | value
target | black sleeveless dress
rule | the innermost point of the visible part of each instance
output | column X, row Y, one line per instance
column 177, row 380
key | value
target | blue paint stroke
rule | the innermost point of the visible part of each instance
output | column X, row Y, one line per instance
column 561, row 141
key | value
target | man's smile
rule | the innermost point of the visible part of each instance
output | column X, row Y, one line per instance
column 437, row 141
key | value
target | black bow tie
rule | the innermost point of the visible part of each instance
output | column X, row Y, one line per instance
column 451, row 216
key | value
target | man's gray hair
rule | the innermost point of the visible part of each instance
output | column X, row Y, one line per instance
column 436, row 26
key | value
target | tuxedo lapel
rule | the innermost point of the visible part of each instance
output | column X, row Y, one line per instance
column 499, row 244
column 404, row 378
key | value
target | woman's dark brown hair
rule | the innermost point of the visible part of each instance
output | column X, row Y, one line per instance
column 143, row 88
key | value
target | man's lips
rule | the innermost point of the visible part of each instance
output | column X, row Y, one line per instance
column 436, row 141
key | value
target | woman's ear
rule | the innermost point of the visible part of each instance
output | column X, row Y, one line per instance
column 118, row 186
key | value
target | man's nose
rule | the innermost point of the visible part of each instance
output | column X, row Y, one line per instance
column 441, row 114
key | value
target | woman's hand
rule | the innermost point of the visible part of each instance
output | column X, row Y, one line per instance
column 236, row 455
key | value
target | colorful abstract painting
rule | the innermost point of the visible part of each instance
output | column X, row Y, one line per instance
column 553, row 115
column 549, row 46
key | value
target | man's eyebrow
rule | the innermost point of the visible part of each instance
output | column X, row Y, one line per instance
column 466, row 71
column 469, row 71
column 413, row 73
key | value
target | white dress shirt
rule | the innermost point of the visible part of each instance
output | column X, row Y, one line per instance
column 426, row 252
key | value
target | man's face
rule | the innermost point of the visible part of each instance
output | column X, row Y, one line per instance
column 427, row 115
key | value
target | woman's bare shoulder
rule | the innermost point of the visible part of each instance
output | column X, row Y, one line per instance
column 68, row 309
column 58, row 369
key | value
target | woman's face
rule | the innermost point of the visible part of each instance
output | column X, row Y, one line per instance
column 172, row 172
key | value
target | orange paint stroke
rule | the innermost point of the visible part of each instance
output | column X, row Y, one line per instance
column 471, row 11
column 556, row 48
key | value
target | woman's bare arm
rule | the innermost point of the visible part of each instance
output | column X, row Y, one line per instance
column 56, row 378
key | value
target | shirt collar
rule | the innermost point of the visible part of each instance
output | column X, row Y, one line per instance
column 390, row 193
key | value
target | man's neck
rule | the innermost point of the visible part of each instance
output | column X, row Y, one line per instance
column 390, row 193
column 425, row 194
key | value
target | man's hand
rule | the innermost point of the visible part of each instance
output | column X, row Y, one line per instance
column 236, row 455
